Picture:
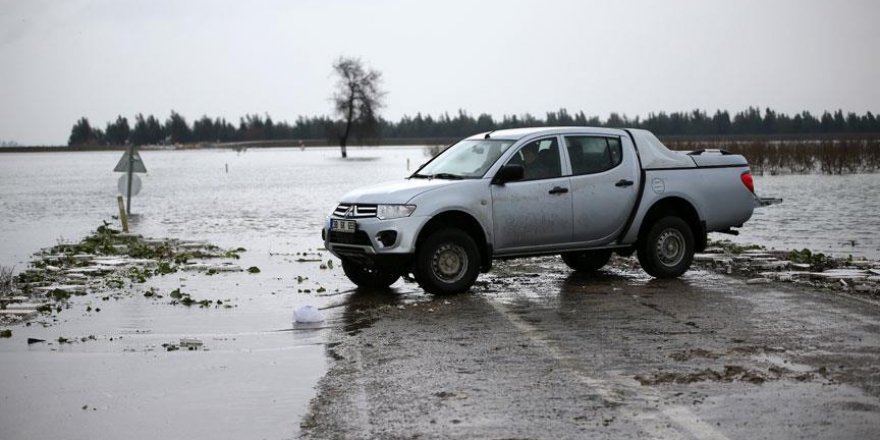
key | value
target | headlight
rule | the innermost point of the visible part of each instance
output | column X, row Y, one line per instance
column 386, row 212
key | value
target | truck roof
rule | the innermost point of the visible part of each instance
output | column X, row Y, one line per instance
column 652, row 153
column 519, row 133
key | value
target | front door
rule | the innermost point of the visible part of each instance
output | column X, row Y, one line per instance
column 534, row 212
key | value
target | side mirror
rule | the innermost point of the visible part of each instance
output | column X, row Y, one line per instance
column 509, row 173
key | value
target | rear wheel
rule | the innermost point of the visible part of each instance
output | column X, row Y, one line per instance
column 587, row 261
column 369, row 277
column 447, row 262
column 667, row 250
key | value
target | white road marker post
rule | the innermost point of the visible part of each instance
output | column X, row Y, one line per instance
column 130, row 174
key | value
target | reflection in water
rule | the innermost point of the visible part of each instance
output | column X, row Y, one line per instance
column 359, row 310
column 600, row 282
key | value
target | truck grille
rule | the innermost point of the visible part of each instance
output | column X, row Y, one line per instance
column 354, row 211
column 351, row 252
column 359, row 238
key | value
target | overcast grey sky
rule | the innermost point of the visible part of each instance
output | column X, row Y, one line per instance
column 62, row 60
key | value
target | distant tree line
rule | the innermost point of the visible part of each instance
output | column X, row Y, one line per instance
column 175, row 129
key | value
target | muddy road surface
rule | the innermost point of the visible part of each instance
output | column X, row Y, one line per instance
column 537, row 351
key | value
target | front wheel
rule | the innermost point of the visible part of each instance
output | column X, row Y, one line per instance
column 369, row 277
column 447, row 262
column 667, row 250
column 587, row 261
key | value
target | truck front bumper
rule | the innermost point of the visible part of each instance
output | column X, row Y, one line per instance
column 376, row 243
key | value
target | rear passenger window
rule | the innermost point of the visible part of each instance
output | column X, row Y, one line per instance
column 591, row 154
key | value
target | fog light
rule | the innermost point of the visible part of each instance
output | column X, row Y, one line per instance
column 387, row 238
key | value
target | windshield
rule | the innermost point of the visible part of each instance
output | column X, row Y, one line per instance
column 466, row 159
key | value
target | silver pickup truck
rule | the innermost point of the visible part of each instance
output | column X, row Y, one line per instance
column 576, row 191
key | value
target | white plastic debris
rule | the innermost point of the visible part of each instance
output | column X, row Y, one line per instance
column 307, row 313
column 759, row 281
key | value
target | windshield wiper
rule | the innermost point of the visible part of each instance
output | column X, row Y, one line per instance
column 447, row 176
column 420, row 176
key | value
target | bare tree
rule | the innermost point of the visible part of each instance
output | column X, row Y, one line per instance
column 357, row 98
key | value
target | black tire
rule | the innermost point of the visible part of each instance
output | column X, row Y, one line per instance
column 667, row 250
column 368, row 277
column 447, row 262
column 587, row 261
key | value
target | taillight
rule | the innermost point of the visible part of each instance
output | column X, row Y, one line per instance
column 746, row 178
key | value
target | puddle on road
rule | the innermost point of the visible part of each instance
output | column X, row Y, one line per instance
column 543, row 281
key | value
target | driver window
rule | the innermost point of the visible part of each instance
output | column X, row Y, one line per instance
column 540, row 159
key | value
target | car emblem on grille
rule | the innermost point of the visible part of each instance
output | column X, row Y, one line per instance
column 349, row 213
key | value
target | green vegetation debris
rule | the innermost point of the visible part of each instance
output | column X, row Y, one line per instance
column 253, row 269
column 58, row 294
column 5, row 333
column 233, row 253
column 733, row 248
column 165, row 268
column 817, row 261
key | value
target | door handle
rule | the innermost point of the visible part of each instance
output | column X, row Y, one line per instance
column 558, row 190
column 622, row 183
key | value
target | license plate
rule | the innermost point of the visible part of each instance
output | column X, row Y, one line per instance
column 348, row 226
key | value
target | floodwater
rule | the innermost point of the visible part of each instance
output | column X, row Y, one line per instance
column 837, row 215
column 268, row 196
column 272, row 195
column 258, row 371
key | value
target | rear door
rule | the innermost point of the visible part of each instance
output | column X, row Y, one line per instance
column 604, row 185
column 534, row 212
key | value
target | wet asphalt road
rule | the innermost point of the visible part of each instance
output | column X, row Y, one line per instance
column 537, row 351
